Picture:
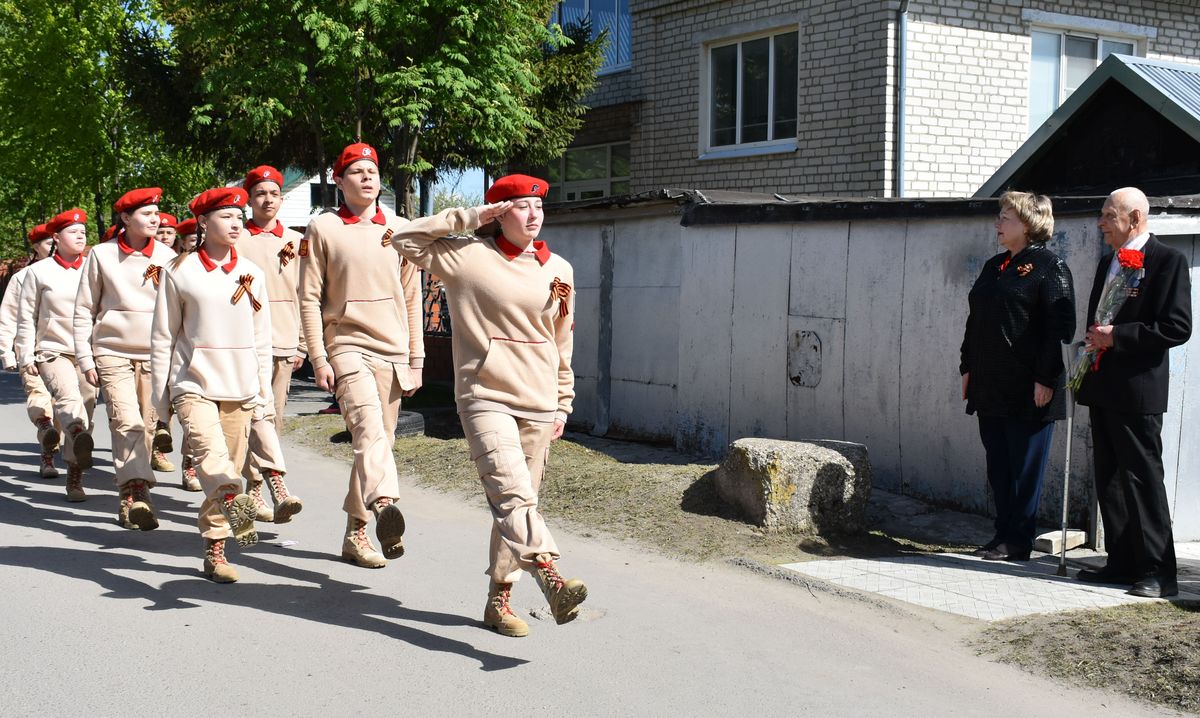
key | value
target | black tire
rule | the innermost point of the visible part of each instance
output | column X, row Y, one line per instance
column 410, row 423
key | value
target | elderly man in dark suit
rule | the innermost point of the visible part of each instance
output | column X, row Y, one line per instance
column 1127, row 395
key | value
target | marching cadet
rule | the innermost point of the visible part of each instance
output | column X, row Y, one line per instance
column 37, row 400
column 511, row 300
column 360, row 307
column 185, row 236
column 112, row 343
column 274, row 248
column 185, row 241
column 46, row 344
column 167, row 224
column 211, row 362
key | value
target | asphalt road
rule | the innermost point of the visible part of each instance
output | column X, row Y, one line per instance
column 100, row 621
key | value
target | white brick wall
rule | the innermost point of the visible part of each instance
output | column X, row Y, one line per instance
column 967, row 101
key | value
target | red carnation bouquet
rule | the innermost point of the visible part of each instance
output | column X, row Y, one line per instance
column 1113, row 297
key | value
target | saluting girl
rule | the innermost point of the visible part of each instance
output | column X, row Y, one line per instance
column 512, row 301
column 46, row 344
column 211, row 362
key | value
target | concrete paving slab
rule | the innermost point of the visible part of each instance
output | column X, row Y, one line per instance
column 987, row 590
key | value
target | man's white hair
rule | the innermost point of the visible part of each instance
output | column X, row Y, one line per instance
column 1129, row 199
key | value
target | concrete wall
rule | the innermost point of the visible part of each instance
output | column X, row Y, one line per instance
column 822, row 330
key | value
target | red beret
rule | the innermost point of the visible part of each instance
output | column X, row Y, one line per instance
column 39, row 233
column 166, row 220
column 513, row 186
column 187, row 226
column 136, row 198
column 353, row 153
column 110, row 232
column 262, row 173
column 62, row 220
column 218, row 198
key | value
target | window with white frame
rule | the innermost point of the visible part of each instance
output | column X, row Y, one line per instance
column 751, row 92
column 1060, row 60
column 610, row 15
column 590, row 172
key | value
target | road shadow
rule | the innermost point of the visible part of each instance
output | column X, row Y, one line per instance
column 103, row 554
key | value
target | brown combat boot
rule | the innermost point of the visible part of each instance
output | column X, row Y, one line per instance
column 357, row 548
column 141, row 512
column 48, row 471
column 239, row 510
column 262, row 511
column 162, row 439
column 160, row 462
column 498, row 614
column 389, row 527
column 47, row 435
column 286, row 505
column 188, row 479
column 82, row 444
column 75, row 492
column 216, row 566
column 563, row 595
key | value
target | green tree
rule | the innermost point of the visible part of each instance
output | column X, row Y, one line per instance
column 434, row 84
column 69, row 133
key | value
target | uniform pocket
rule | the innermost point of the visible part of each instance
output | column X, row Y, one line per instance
column 521, row 374
column 224, row 372
column 122, row 328
column 374, row 318
column 486, row 453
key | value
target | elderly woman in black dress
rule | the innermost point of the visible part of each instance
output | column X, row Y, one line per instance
column 1022, row 308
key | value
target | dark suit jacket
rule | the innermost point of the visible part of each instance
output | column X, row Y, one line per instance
column 1134, row 374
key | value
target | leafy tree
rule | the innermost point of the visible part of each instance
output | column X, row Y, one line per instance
column 67, row 128
column 434, row 84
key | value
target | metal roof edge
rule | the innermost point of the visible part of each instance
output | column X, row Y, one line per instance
column 1116, row 67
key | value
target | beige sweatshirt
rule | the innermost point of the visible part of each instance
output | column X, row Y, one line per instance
column 8, row 317
column 512, row 340
column 204, row 343
column 356, row 295
column 115, row 303
column 277, row 252
column 46, row 310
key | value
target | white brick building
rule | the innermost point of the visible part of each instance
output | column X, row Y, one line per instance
column 803, row 96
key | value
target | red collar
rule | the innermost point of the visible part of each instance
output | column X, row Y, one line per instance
column 255, row 230
column 68, row 265
column 146, row 251
column 350, row 218
column 512, row 251
column 210, row 265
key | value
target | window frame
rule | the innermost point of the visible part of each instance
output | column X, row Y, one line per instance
column 589, row 185
column 605, row 68
column 1084, row 30
column 706, row 150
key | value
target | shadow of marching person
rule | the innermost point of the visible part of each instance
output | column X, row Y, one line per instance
column 324, row 600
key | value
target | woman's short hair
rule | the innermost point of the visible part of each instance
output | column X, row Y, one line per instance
column 1035, row 211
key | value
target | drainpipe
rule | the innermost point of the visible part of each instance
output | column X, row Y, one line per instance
column 901, row 90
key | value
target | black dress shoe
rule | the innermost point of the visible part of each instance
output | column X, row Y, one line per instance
column 997, row 554
column 1104, row 575
column 989, row 546
column 1155, row 587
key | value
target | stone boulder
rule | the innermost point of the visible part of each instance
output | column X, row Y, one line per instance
column 797, row 486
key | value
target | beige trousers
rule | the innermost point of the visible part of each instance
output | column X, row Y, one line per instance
column 281, row 385
column 217, row 434
column 131, row 418
column 38, row 403
column 510, row 454
column 74, row 399
column 368, row 390
column 266, row 452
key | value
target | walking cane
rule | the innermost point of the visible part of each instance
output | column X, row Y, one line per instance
column 1062, row 555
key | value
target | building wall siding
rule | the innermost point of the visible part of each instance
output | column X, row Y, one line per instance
column 967, row 90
